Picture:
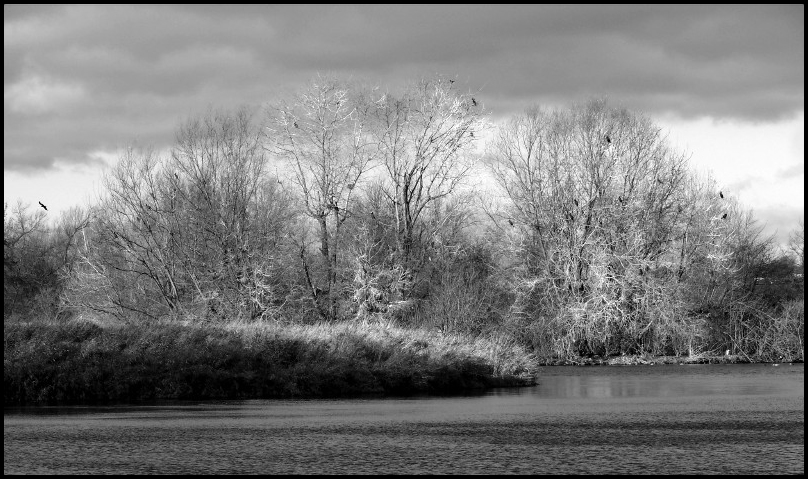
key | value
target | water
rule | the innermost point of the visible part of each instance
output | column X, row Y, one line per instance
column 718, row 419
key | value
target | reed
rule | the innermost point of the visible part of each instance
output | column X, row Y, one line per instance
column 81, row 361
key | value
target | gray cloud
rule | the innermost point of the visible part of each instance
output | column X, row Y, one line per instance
column 79, row 79
column 779, row 221
column 789, row 172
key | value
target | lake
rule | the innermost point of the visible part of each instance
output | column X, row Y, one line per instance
column 671, row 419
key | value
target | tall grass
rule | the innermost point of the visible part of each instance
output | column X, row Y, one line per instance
column 79, row 361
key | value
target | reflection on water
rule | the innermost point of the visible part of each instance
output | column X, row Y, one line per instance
column 646, row 419
column 658, row 381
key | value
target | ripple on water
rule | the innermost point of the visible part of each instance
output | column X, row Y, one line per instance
column 705, row 422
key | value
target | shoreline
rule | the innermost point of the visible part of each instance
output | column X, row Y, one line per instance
column 640, row 360
column 83, row 363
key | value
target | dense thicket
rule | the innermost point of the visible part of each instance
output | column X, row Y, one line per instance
column 347, row 203
column 615, row 246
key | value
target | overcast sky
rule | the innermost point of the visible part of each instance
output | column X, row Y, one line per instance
column 725, row 82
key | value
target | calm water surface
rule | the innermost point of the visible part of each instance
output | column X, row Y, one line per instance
column 720, row 419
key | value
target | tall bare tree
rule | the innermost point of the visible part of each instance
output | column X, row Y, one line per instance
column 197, row 234
column 126, row 266
column 322, row 134
column 217, row 177
column 426, row 139
column 594, row 200
column 26, row 269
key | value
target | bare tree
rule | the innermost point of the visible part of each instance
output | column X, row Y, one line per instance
column 128, row 248
column 594, row 204
column 26, row 267
column 218, row 181
column 796, row 243
column 322, row 134
column 67, row 230
column 426, row 139
column 198, row 234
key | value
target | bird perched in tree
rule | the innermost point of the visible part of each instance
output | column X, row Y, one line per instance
column 473, row 101
column 40, row 204
column 724, row 216
column 659, row 181
column 608, row 140
column 575, row 201
column 721, row 194
column 451, row 81
column 510, row 221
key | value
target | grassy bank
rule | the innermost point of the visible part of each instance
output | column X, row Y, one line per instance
column 82, row 362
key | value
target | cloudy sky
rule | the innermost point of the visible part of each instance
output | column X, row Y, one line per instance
column 726, row 83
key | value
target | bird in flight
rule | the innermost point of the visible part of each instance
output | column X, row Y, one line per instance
column 40, row 204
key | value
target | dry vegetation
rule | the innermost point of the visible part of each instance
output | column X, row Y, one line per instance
column 80, row 361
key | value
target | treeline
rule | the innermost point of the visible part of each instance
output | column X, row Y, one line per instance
column 349, row 203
